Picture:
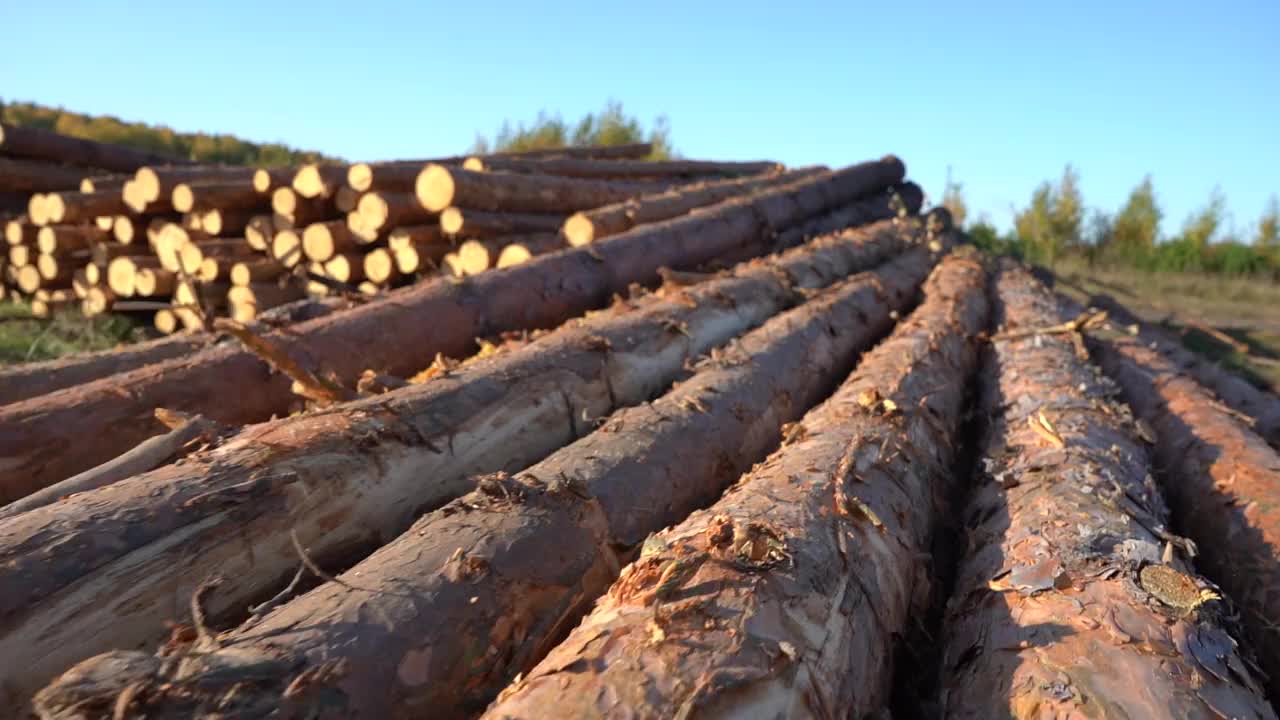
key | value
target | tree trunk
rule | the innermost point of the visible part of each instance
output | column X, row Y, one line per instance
column 786, row 597
column 499, row 413
column 1262, row 407
column 245, row 272
column 441, row 186
column 684, row 170
column 317, row 180
column 1063, row 606
column 75, row 207
column 476, row 256
column 478, row 224
column 35, row 176
column 1223, row 481
column 523, row 248
column 714, row 426
column 20, row 382
column 154, row 282
column 63, row 239
column 381, row 211
column 47, row 145
column 601, row 222
column 156, row 184
column 403, row 333
column 221, row 194
column 266, row 180
column 321, row 241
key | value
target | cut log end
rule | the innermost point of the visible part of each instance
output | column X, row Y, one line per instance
column 183, row 199
column 451, row 221
column 435, row 188
column 579, row 230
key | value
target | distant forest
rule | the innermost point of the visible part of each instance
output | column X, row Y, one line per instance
column 198, row 146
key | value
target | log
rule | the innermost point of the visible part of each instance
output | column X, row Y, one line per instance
column 264, row 295
column 36, row 211
column 346, row 200
column 28, row 279
column 226, row 223
column 540, row 293
column 21, row 255
column 316, row 180
column 716, row 424
column 55, row 272
column 221, row 194
column 48, row 145
column 105, row 222
column 266, row 180
column 507, row 411
column 21, row 232
column 68, row 238
column 122, row 273
column 12, row 204
column 1066, row 603
column 156, row 184
column 104, row 183
column 479, row 224
column 798, row 581
column 35, row 176
column 73, row 207
column 321, row 241
column 429, row 242
column 1261, row 407
column 584, row 227
column 259, row 231
column 476, row 256
column 167, row 323
column 97, row 300
column 1222, row 479
column 349, row 267
column 298, row 211
column 286, row 248
column 396, row 176
column 381, row 211
column 440, row 186
column 247, row 271
column 522, row 249
column 621, row 169
column 379, row 266
column 154, row 282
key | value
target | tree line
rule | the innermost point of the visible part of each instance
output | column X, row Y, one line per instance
column 1056, row 223
column 198, row 146
column 610, row 126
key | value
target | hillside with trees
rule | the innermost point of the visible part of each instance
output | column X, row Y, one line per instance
column 198, row 146
column 610, row 126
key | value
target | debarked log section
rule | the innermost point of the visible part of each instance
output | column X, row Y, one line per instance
column 355, row 476
column 1223, row 481
column 785, row 597
column 481, row 589
column 1074, row 600
column 402, row 332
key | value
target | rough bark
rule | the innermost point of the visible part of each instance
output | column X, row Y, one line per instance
column 783, row 599
column 442, row 186
column 1223, row 482
column 20, row 382
column 398, row 334
column 1066, row 605
column 77, row 207
column 524, row 248
column 356, row 475
column 239, row 194
column 1261, row 406
column 514, row 589
column 47, row 145
column 598, row 223
column 621, row 169
column 479, row 224
column 62, row 239
column 36, row 176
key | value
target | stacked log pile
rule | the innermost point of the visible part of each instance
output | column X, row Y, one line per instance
column 448, row 499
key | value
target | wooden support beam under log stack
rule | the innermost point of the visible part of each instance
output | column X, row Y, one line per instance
column 1074, row 599
column 670, row 170
column 715, row 425
column 48, row 145
column 601, row 222
column 506, row 411
column 394, row 336
column 1222, row 479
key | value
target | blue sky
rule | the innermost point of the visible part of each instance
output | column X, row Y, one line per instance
column 1005, row 94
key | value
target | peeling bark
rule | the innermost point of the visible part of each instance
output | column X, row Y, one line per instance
column 1262, row 407
column 400, row 333
column 481, row 589
column 356, row 475
column 1222, row 479
column 784, row 598
column 1066, row 605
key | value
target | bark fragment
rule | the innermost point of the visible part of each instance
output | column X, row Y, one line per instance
column 1074, row 600
column 354, row 476
column 784, row 598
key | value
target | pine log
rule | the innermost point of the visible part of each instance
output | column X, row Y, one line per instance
column 476, row 256
column 1260, row 406
column 21, row 232
column 266, row 180
column 299, row 211
column 349, row 267
column 28, row 279
column 104, row 183
column 35, row 176
column 55, row 272
column 286, row 248
column 122, row 273
column 479, row 224
column 48, row 145
column 794, row 556
column 440, row 186
column 154, row 282
column 226, row 223
column 156, row 184
column 12, row 204
column 105, row 222
column 167, row 324
column 259, row 231
column 321, row 241
column 68, row 238
column 316, row 180
column 1066, row 602
column 396, row 176
column 221, row 194
column 264, row 295
column 21, row 255
column 74, row 207
column 97, row 300
column 381, row 211
column 392, row 336
column 379, row 266
column 505, row 411
column 601, row 222
column 716, row 424
column 346, row 200
column 247, row 271
column 36, row 210
column 524, row 249
column 1223, row 482
column 428, row 240
column 621, row 169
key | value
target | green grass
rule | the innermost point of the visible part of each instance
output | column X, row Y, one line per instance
column 1240, row 307
column 24, row 338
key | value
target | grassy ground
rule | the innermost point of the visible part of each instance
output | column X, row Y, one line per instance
column 24, row 338
column 1189, row 304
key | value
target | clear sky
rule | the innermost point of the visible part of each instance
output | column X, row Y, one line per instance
column 1003, row 93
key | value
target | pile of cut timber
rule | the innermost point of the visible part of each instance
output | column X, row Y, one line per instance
column 661, row 438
